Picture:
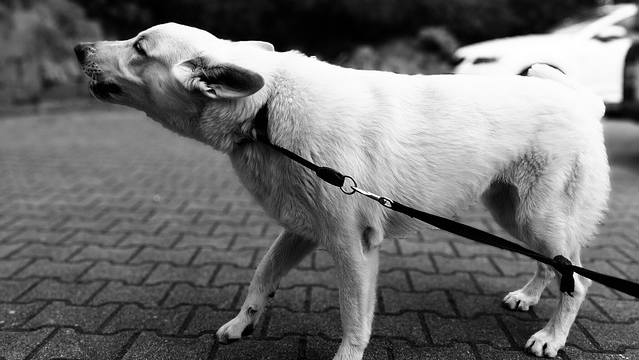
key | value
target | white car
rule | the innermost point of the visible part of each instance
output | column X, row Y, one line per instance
column 590, row 49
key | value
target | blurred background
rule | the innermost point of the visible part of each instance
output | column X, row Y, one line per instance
column 410, row 36
column 121, row 240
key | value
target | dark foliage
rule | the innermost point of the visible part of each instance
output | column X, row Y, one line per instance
column 328, row 27
column 37, row 39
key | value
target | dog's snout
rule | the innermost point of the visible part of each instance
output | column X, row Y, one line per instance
column 82, row 50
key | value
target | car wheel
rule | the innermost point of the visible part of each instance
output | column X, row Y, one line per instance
column 631, row 82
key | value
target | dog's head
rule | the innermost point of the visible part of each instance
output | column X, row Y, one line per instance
column 171, row 69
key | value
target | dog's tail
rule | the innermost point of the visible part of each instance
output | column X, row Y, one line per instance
column 545, row 71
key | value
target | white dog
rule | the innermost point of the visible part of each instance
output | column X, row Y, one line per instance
column 530, row 147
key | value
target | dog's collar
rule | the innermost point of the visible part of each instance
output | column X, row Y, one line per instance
column 260, row 125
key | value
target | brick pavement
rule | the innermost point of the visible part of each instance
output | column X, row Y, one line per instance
column 119, row 240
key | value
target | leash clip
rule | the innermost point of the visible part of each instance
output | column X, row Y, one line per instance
column 384, row 201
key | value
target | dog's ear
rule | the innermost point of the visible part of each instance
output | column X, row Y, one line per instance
column 219, row 81
column 260, row 44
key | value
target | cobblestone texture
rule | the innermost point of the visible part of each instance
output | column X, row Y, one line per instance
column 120, row 240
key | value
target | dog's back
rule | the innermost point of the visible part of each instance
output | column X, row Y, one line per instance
column 445, row 138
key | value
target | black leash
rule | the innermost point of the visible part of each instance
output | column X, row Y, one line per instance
column 348, row 185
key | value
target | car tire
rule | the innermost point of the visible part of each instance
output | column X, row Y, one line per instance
column 631, row 82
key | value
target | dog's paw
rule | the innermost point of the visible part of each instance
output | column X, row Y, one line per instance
column 519, row 301
column 234, row 330
column 545, row 344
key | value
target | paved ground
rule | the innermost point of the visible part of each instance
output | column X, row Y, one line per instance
column 119, row 240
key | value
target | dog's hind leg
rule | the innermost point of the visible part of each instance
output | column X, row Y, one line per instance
column 545, row 230
column 286, row 252
column 529, row 295
column 502, row 200
column 549, row 340
column 561, row 227
column 560, row 204
column 357, row 265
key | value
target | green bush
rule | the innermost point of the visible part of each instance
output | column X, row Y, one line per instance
column 38, row 38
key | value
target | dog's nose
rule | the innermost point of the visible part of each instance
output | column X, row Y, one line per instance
column 82, row 50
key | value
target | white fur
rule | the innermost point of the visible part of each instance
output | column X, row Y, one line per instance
column 530, row 147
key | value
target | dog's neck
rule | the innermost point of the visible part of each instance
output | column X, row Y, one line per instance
column 274, row 180
column 225, row 125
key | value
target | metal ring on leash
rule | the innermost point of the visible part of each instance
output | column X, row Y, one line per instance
column 344, row 187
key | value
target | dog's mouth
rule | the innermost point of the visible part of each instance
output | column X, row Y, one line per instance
column 104, row 90
column 100, row 88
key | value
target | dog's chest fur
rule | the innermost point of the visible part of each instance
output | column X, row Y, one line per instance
column 286, row 192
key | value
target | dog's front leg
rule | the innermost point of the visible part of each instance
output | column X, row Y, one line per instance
column 357, row 265
column 287, row 251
